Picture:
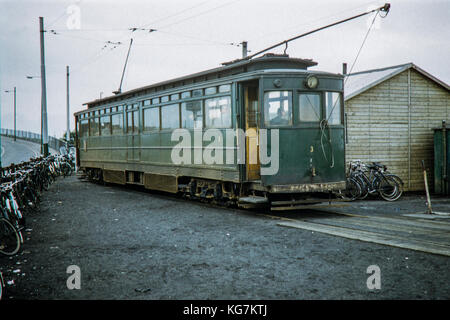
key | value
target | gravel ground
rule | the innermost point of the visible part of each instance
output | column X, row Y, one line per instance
column 135, row 244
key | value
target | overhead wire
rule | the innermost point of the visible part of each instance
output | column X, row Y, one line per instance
column 201, row 13
column 324, row 123
column 173, row 15
column 312, row 21
column 133, row 29
column 111, row 45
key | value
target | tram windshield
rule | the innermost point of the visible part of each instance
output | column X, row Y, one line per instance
column 278, row 108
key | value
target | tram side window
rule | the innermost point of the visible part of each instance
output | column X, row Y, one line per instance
column 84, row 128
column 151, row 119
column 129, row 122
column 170, row 116
column 117, row 124
column 278, row 108
column 224, row 88
column 309, row 107
column 136, row 121
column 105, row 126
column 94, row 128
column 192, row 115
column 218, row 112
column 333, row 107
column 132, row 121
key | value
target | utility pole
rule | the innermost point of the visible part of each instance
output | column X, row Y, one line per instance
column 1, row 171
column 244, row 49
column 68, row 108
column 15, row 114
column 44, row 129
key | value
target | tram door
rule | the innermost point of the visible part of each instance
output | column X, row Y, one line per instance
column 250, row 91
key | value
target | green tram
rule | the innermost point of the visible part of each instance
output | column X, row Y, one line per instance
column 260, row 132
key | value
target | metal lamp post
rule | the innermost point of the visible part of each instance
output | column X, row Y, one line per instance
column 14, row 91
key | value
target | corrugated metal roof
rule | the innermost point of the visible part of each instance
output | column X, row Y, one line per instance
column 358, row 82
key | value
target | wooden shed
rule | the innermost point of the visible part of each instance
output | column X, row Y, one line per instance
column 390, row 113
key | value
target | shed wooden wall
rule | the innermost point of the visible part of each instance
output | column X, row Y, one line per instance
column 380, row 127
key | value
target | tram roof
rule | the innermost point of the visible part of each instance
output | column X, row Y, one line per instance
column 268, row 61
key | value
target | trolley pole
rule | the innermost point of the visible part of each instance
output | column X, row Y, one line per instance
column 44, row 129
column 68, row 108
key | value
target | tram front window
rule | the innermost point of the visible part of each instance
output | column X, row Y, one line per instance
column 278, row 108
column 309, row 107
column 333, row 107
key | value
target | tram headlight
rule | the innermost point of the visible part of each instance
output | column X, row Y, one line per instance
column 312, row 82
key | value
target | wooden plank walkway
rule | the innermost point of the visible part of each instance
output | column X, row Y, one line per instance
column 421, row 235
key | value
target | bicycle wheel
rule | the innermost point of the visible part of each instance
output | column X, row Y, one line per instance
column 388, row 188
column 364, row 186
column 1, row 286
column 67, row 170
column 352, row 190
column 9, row 238
column 399, row 183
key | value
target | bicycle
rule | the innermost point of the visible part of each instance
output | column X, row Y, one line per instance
column 375, row 179
column 10, row 239
column 20, row 188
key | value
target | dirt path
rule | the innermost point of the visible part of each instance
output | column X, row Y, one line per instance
column 131, row 244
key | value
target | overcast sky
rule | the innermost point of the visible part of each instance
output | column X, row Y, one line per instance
column 193, row 36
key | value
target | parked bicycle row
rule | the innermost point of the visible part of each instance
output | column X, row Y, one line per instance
column 373, row 178
column 21, row 187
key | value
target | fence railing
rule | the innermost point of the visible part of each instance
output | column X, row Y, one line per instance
column 53, row 142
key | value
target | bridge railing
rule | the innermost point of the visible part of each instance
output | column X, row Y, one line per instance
column 53, row 142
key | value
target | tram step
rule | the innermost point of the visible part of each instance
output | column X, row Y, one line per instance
column 253, row 199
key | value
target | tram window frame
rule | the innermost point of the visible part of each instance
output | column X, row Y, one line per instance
column 318, row 94
column 134, row 125
column 114, row 130
column 129, row 117
column 192, row 124
column 144, row 117
column 266, row 108
column 210, row 91
column 207, row 118
column 136, row 119
column 84, row 127
column 197, row 93
column 340, row 109
column 165, row 99
column 224, row 88
column 186, row 95
column 164, row 109
column 146, row 102
column 104, row 131
column 92, row 131
column 155, row 100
